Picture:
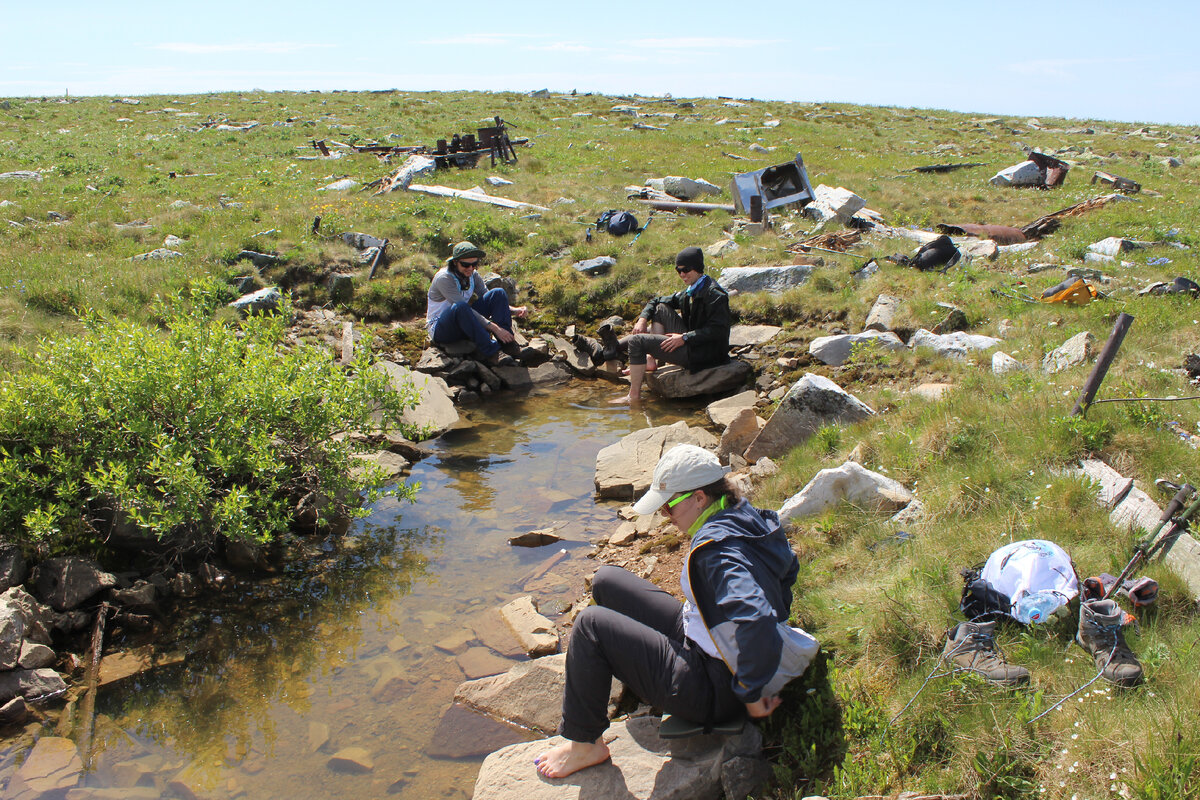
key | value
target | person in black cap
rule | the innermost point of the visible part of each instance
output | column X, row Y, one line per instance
column 689, row 328
column 461, row 307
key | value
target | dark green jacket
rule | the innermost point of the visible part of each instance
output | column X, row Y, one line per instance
column 706, row 317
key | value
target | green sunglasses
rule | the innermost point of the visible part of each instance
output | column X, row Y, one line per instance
column 680, row 499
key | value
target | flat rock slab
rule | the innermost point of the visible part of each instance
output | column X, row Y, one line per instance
column 479, row 662
column 813, row 402
column 882, row 312
column 764, row 279
column 852, row 483
column 642, row 767
column 722, row 411
column 752, row 335
column 52, row 767
column 434, row 414
column 463, row 733
column 676, row 382
column 1134, row 509
column 952, row 345
column 834, row 350
column 624, row 469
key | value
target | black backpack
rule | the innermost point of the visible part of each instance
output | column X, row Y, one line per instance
column 618, row 223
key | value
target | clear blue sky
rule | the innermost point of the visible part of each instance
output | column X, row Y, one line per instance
column 1130, row 61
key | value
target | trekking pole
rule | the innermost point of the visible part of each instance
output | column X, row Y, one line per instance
column 1145, row 549
column 643, row 230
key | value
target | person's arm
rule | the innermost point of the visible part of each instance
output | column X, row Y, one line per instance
column 741, row 621
column 670, row 300
column 717, row 319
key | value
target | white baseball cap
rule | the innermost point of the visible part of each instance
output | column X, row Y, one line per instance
column 684, row 467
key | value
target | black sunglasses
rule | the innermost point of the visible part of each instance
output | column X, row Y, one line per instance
column 682, row 270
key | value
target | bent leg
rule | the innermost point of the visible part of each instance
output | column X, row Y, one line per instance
column 661, row 670
column 458, row 323
column 638, row 599
column 494, row 305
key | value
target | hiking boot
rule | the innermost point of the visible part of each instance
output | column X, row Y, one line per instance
column 612, row 345
column 972, row 646
column 511, row 348
column 1100, row 634
column 500, row 359
column 590, row 347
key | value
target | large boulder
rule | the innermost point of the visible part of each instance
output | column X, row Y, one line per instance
column 764, row 279
column 434, row 414
column 267, row 299
column 672, row 381
column 69, row 582
column 852, row 483
column 813, row 402
column 529, row 694
column 38, row 619
column 952, row 345
column 683, row 188
column 1026, row 173
column 525, row 378
column 642, row 766
column 13, row 569
column 834, row 350
column 624, row 469
column 830, row 204
column 51, row 769
column 1079, row 349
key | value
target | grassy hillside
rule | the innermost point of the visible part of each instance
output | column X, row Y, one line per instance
column 987, row 461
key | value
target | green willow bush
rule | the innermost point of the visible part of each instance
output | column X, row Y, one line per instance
column 198, row 431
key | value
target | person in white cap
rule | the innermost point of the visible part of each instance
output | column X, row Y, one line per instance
column 724, row 653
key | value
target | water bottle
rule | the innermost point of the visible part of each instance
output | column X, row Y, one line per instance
column 1037, row 606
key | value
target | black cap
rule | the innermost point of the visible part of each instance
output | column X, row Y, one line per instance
column 691, row 257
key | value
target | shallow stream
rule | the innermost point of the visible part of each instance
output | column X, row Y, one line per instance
column 363, row 656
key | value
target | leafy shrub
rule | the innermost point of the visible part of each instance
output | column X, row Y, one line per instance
column 201, row 431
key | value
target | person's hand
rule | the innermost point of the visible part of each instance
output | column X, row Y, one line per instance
column 673, row 342
column 504, row 336
column 763, row 706
column 518, row 311
column 641, row 325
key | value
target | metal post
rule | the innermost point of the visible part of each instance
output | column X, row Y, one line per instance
column 1092, row 384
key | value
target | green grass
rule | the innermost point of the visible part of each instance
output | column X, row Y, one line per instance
column 989, row 462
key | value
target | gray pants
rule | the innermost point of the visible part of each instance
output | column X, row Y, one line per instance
column 643, row 344
column 635, row 632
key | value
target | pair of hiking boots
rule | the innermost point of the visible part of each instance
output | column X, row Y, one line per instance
column 607, row 349
column 972, row 646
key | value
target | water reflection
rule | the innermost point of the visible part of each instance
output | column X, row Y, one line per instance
column 332, row 679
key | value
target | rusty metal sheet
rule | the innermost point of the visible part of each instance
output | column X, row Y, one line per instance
column 1000, row 234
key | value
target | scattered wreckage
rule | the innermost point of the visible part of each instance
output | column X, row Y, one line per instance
column 461, row 150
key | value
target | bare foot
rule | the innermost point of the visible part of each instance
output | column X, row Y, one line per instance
column 624, row 400
column 651, row 364
column 570, row 757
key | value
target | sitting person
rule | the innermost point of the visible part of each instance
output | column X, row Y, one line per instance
column 725, row 652
column 461, row 308
column 689, row 328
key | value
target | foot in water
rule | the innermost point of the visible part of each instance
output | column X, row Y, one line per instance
column 624, row 400
column 570, row 757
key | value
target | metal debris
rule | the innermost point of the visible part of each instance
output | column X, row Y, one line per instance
column 780, row 185
column 1122, row 185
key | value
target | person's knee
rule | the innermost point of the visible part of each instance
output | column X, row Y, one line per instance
column 604, row 581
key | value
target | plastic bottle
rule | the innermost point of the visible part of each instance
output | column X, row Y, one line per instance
column 1037, row 606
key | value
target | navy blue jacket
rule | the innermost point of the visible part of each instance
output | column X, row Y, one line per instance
column 741, row 568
